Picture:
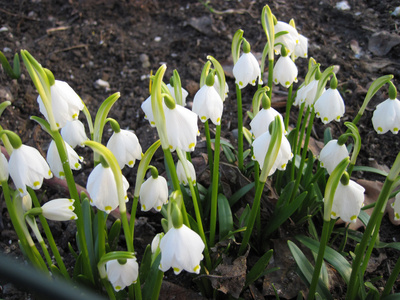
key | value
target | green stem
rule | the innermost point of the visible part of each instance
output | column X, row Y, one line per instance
column 303, row 129
column 209, row 149
column 138, row 290
column 157, row 286
column 240, row 127
column 101, row 222
column 109, row 289
column 366, row 241
column 252, row 218
column 320, row 259
column 270, row 76
column 214, row 191
column 133, row 215
column 392, row 279
column 295, row 139
column 49, row 236
column 77, row 204
column 46, row 253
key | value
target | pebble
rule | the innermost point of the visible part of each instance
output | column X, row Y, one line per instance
column 395, row 13
column 343, row 5
column 157, row 39
column 144, row 58
column 100, row 83
column 4, row 28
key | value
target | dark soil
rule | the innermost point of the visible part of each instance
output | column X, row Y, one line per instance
column 121, row 42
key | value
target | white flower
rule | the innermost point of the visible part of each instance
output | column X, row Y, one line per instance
column 182, row 128
column 301, row 49
column 307, row 93
column 102, row 188
column 153, row 193
column 181, row 248
column 260, row 148
column 184, row 93
column 180, row 172
column 26, row 202
column 396, row 207
column 74, row 133
column 28, row 168
column 65, row 103
column 54, row 161
column 59, row 210
column 122, row 275
column 387, row 116
column 125, row 147
column 332, row 154
column 330, row 106
column 285, row 71
column 261, row 121
column 148, row 111
column 208, row 104
column 347, row 201
column 290, row 39
column 155, row 243
column 3, row 168
column 246, row 70
column 217, row 86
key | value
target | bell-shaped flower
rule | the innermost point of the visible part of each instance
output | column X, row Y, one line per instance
column 260, row 148
column 182, row 129
column 184, row 93
column 261, row 121
column 330, row 106
column 65, row 103
column 59, row 210
column 180, row 172
column 153, row 193
column 126, row 147
column 74, row 133
column 54, row 161
column 396, row 206
column 102, row 188
column 347, row 201
column 387, row 116
column 207, row 104
column 289, row 40
column 285, row 71
column 246, row 70
column 181, row 249
column 3, row 168
column 301, row 48
column 122, row 272
column 148, row 111
column 332, row 154
column 28, row 168
column 307, row 93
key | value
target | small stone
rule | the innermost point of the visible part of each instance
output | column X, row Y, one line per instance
column 4, row 28
column 157, row 39
column 395, row 13
column 100, row 83
column 343, row 5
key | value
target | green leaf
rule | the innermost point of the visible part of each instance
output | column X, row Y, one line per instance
column 151, row 281
column 114, row 233
column 240, row 193
column 370, row 169
column 230, row 157
column 258, row 269
column 87, row 217
column 13, row 73
column 327, row 135
column 307, row 270
column 331, row 256
column 225, row 219
column 145, row 265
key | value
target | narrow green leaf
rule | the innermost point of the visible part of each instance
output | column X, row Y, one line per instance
column 230, row 157
column 7, row 67
column 307, row 270
column 145, row 265
column 225, row 219
column 149, row 285
column 17, row 66
column 114, row 233
column 258, row 269
column 87, row 216
column 370, row 169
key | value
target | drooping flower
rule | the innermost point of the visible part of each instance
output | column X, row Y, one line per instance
column 153, row 193
column 289, row 40
column 330, row 106
column 285, row 71
column 301, row 48
column 59, row 210
column 184, row 93
column 28, row 168
column 148, row 111
column 246, row 70
column 347, row 201
column 261, row 121
column 182, row 129
column 217, row 86
column 54, row 161
column 122, row 272
column 181, row 249
column 387, row 116
column 307, row 93
column 396, row 206
column 208, row 104
column 332, row 154
column 260, row 148
column 3, row 168
column 102, row 188
column 74, row 133
column 65, row 103
column 125, row 147
column 180, row 172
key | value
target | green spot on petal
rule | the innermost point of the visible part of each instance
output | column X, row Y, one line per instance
column 158, row 207
column 191, row 145
column 36, row 184
column 397, row 216
column 287, row 83
column 143, row 207
column 333, row 213
column 130, row 163
column 203, row 118
column 240, row 83
column 196, row 268
column 353, row 217
column 325, row 119
column 177, row 270
column 218, row 120
column 20, row 190
column 77, row 165
column 74, row 116
column 71, row 207
column 117, row 288
column 170, row 147
column 380, row 129
column 153, row 123
column 72, row 218
column 338, row 118
column 49, row 172
column 107, row 208
column 395, row 129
